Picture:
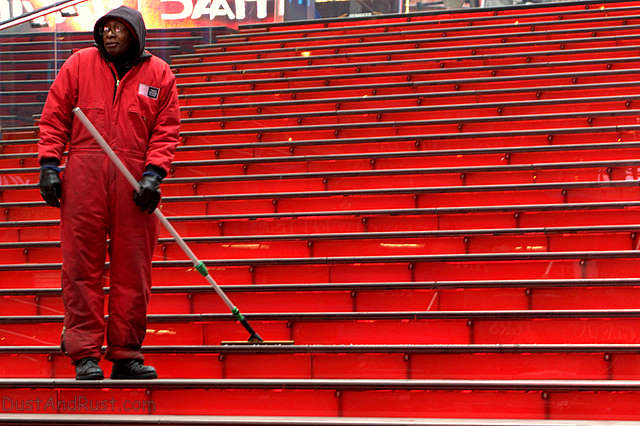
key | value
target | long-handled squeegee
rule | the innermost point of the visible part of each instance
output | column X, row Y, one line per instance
column 198, row 265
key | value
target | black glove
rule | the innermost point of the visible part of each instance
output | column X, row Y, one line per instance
column 149, row 195
column 50, row 183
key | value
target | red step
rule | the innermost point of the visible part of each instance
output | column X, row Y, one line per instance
column 472, row 120
column 363, row 297
column 197, row 182
column 527, row 399
column 371, row 328
column 420, row 243
column 473, row 51
column 424, row 22
column 189, row 157
column 421, row 362
column 513, row 28
column 356, row 94
column 470, row 45
column 405, row 105
column 455, row 267
column 383, row 220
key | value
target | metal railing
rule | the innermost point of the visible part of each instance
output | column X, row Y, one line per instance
column 43, row 11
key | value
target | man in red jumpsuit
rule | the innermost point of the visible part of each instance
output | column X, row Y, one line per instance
column 131, row 98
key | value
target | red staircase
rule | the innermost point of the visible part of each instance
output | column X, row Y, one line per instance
column 441, row 210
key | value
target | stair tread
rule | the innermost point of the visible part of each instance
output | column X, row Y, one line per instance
column 151, row 419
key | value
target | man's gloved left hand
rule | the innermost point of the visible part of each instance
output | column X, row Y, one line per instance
column 149, row 195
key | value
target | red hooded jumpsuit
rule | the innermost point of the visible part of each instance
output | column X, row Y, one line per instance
column 139, row 118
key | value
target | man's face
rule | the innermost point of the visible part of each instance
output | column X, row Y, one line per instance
column 115, row 37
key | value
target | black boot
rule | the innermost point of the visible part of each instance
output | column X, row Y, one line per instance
column 88, row 369
column 124, row 369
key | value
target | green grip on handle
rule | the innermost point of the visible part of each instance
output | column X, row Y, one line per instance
column 202, row 268
column 237, row 314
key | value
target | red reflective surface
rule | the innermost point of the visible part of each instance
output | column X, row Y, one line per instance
column 522, row 92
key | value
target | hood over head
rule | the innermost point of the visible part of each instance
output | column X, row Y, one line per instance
column 134, row 22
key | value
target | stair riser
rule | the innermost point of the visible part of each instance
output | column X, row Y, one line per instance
column 275, row 163
column 370, row 332
column 500, row 35
column 407, row 246
column 470, row 366
column 361, row 223
column 367, row 300
column 459, row 108
column 413, row 404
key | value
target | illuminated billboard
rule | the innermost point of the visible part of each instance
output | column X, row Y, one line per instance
column 157, row 13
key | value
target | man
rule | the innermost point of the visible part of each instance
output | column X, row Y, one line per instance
column 131, row 98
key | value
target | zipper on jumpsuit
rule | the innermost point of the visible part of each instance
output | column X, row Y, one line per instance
column 115, row 77
column 114, row 72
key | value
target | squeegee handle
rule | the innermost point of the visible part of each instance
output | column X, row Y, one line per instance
column 134, row 183
column 106, row 148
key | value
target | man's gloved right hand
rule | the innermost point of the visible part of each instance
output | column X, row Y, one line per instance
column 148, row 197
column 50, row 183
